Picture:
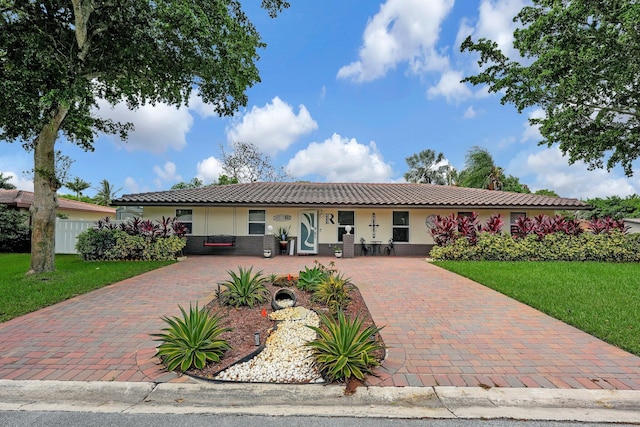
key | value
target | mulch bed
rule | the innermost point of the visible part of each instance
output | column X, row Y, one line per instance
column 246, row 321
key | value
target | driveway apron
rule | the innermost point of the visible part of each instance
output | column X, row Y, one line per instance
column 441, row 329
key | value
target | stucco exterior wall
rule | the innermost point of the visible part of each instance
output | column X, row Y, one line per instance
column 235, row 221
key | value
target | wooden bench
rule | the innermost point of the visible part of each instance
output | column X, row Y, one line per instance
column 220, row 240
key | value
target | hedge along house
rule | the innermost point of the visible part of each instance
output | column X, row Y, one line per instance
column 317, row 214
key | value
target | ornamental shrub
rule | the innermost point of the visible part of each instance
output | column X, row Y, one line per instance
column 613, row 247
column 14, row 230
column 133, row 240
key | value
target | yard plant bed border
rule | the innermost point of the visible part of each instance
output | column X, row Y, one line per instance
column 246, row 322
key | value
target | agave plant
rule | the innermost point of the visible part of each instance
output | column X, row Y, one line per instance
column 343, row 348
column 333, row 292
column 192, row 340
column 244, row 288
column 310, row 278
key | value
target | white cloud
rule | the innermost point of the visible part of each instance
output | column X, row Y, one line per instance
column 532, row 133
column 21, row 183
column 204, row 110
column 402, row 31
column 167, row 173
column 272, row 128
column 450, row 87
column 469, row 113
column 131, row 186
column 339, row 159
column 495, row 23
column 209, row 170
column 157, row 128
column 549, row 169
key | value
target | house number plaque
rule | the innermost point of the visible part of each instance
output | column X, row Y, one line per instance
column 282, row 218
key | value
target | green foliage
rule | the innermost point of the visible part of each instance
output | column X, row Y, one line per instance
column 116, row 244
column 480, row 171
column 78, row 185
column 244, row 288
column 310, row 278
column 194, row 183
column 580, row 67
column 613, row 247
column 427, row 167
column 193, row 340
column 333, row 292
column 344, row 349
column 14, row 230
column 4, row 182
column 614, row 207
column 24, row 293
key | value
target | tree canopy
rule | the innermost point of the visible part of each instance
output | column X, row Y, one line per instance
column 59, row 58
column 428, row 168
column 78, row 185
column 5, row 184
column 580, row 62
column 480, row 171
column 247, row 164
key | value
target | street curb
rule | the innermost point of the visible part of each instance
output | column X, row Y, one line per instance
column 618, row 406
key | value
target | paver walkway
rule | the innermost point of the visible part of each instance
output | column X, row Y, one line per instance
column 442, row 329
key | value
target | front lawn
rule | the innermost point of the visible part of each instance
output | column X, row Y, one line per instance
column 21, row 294
column 602, row 299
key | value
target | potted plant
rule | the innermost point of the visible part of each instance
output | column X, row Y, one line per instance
column 283, row 233
column 337, row 250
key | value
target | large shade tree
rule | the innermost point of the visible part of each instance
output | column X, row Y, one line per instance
column 427, row 167
column 581, row 65
column 59, row 57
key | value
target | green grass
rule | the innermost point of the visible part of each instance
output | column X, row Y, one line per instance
column 601, row 299
column 21, row 294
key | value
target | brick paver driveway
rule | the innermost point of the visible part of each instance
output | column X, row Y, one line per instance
column 442, row 329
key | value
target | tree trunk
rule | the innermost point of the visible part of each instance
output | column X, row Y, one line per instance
column 45, row 202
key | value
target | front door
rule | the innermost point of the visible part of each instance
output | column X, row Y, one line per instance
column 308, row 241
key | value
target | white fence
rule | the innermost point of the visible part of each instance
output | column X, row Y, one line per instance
column 67, row 231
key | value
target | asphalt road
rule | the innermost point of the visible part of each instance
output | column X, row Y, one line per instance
column 88, row 419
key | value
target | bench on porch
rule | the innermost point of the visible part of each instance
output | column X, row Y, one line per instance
column 220, row 240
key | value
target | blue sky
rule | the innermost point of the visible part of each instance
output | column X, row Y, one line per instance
column 349, row 90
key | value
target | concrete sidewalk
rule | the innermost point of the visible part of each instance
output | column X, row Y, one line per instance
column 612, row 406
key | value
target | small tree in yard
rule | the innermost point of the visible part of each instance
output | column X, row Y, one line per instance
column 59, row 58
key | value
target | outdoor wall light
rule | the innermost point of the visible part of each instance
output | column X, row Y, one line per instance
column 269, row 229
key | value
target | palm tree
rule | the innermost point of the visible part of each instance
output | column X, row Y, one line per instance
column 428, row 168
column 106, row 193
column 480, row 171
column 78, row 185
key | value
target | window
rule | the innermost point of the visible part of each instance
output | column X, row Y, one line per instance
column 345, row 218
column 513, row 218
column 185, row 217
column 400, row 226
column 257, row 221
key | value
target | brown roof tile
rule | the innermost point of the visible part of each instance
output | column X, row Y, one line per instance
column 24, row 199
column 346, row 194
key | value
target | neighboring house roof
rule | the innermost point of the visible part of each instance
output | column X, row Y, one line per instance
column 347, row 194
column 24, row 199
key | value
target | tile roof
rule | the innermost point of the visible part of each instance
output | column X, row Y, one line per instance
column 24, row 199
column 346, row 194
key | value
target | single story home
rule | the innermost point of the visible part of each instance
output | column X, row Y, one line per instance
column 633, row 224
column 71, row 209
column 317, row 214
